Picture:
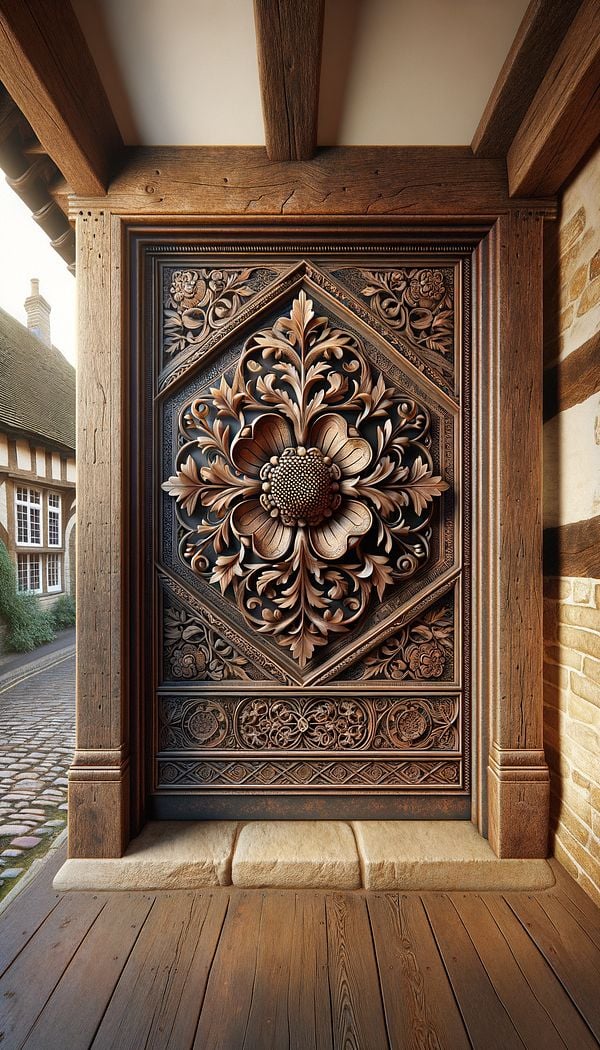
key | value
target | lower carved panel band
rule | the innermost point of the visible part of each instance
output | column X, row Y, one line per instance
column 304, row 775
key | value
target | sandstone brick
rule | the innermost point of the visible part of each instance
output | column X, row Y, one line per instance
column 576, row 798
column 589, row 299
column 556, row 675
column 568, row 819
column 591, row 669
column 567, row 657
column 577, row 282
column 590, row 888
column 571, row 755
column 571, row 231
column 580, row 616
column 581, row 710
column 564, row 857
column 580, row 854
column 587, row 642
column 555, row 587
column 597, row 595
column 586, row 689
column 551, row 717
column 586, row 737
column 594, row 269
column 580, row 780
column 551, row 611
column 554, row 697
column 566, row 319
column 582, row 592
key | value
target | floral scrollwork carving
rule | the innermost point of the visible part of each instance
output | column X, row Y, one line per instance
column 202, row 301
column 323, row 724
column 305, row 485
column 417, row 303
column 419, row 651
column 194, row 652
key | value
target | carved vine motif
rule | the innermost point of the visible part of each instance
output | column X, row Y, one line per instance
column 419, row 651
column 417, row 303
column 195, row 653
column 311, row 724
column 316, row 494
column 426, row 773
column 202, row 301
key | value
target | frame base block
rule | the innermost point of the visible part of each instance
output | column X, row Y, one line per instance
column 519, row 802
column 98, row 814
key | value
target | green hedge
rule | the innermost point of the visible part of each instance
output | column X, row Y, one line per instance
column 63, row 612
column 28, row 625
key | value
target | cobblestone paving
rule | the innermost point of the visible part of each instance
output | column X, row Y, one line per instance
column 37, row 739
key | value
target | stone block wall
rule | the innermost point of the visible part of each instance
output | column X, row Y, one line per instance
column 572, row 724
column 572, row 526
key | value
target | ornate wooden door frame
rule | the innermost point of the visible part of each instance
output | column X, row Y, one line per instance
column 107, row 783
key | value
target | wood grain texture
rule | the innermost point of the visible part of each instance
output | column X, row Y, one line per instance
column 518, row 780
column 157, row 1000
column 26, row 986
column 230, row 989
column 573, row 549
column 574, row 959
column 486, row 1020
column 47, row 67
column 542, row 29
column 420, row 1010
column 98, row 786
column 574, row 379
column 289, row 36
column 361, row 180
column 541, row 980
column 309, row 1007
column 29, row 910
column 529, row 1017
column 85, row 983
column 563, row 120
column 357, row 1010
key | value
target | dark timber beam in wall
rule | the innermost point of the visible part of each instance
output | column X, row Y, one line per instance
column 538, row 38
column 289, row 36
column 47, row 68
column 563, row 120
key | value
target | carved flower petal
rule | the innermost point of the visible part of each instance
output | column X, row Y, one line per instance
column 270, row 435
column 271, row 538
column 330, row 539
column 330, row 434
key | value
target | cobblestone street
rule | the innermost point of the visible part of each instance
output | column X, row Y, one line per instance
column 37, row 739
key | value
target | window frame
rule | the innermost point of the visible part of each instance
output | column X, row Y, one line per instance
column 28, row 503
column 29, row 558
column 55, row 510
column 54, row 588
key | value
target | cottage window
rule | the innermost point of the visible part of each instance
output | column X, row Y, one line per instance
column 29, row 573
column 53, row 572
column 54, row 522
column 29, row 517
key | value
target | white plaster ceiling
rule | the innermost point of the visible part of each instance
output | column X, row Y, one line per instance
column 394, row 72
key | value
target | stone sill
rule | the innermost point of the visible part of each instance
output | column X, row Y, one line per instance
column 371, row 855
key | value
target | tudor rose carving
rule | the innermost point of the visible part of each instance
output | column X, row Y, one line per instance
column 316, row 493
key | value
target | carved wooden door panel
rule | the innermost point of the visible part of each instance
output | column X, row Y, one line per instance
column 305, row 434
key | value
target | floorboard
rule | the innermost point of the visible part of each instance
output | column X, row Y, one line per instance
column 230, row 969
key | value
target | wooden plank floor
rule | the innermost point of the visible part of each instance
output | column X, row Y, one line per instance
column 260, row 969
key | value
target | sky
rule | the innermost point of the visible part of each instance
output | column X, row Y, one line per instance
column 25, row 252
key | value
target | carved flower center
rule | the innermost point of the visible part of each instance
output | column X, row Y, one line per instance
column 300, row 486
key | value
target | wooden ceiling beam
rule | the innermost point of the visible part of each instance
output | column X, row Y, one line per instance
column 538, row 38
column 440, row 182
column 47, row 68
column 289, row 35
column 563, row 120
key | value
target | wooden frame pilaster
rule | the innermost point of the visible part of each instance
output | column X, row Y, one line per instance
column 507, row 270
column 99, row 778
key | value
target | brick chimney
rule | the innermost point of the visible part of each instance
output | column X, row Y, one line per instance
column 38, row 313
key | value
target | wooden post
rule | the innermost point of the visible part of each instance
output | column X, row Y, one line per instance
column 99, row 777
column 518, row 779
